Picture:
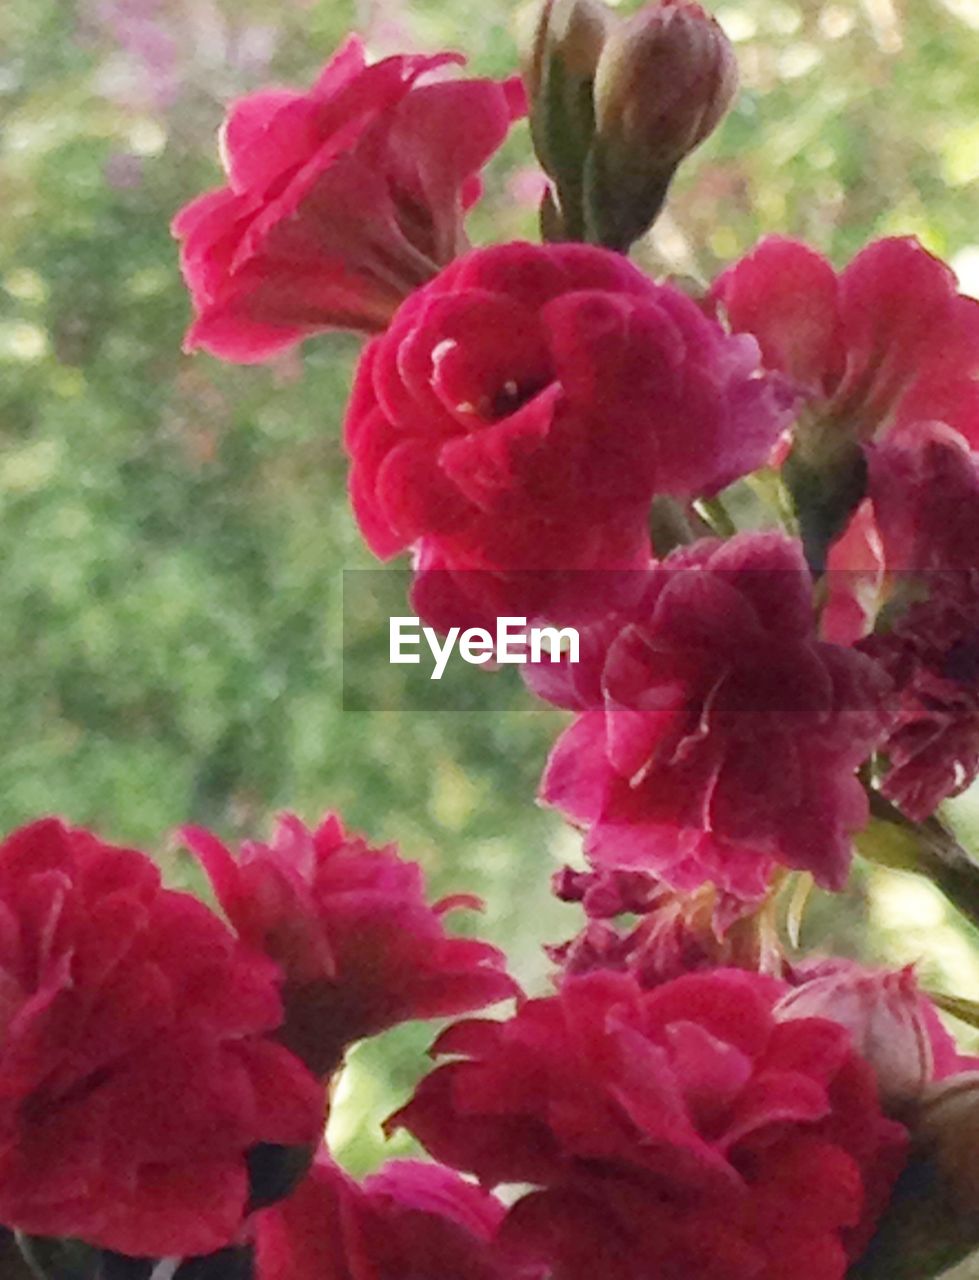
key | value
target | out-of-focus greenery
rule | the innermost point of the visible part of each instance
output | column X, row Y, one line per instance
column 174, row 530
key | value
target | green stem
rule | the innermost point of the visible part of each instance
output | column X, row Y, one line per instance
column 717, row 515
column 928, row 848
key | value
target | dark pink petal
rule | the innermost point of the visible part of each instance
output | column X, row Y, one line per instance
column 787, row 297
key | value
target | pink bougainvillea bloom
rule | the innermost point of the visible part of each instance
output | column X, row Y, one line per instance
column 360, row 947
column 717, row 734
column 932, row 654
column 886, row 341
column 525, row 407
column 684, row 1133
column 136, row 1068
column 339, row 202
column 409, row 1219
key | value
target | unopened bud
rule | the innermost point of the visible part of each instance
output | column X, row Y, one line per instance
column 569, row 32
column 561, row 54
column 665, row 79
column 884, row 1014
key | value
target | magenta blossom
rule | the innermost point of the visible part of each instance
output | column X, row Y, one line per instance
column 339, row 202
column 892, row 1024
column 685, row 1133
column 924, row 486
column 717, row 735
column 138, row 1069
column 932, row 654
column 515, row 422
column 885, row 342
column 360, row 947
column 409, row 1219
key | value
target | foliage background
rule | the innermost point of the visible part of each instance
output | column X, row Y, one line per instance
column 173, row 530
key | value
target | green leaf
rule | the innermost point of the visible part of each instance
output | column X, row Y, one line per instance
column 965, row 1010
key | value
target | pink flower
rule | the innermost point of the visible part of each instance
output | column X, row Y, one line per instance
column 717, row 735
column 887, row 341
column 923, row 517
column 924, row 487
column 932, row 654
column 525, row 407
column 409, row 1219
column 881, row 348
column 339, row 202
column 685, row 1133
column 136, row 1070
column 349, row 925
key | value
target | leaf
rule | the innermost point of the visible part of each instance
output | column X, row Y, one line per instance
column 965, row 1010
column 801, row 889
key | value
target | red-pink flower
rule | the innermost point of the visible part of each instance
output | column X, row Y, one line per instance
column 525, row 407
column 359, row 945
column 339, row 202
column 932, row 654
column 888, row 340
column 924, row 486
column 136, row 1070
column 685, row 1133
column 717, row 735
column 886, row 349
column 409, row 1219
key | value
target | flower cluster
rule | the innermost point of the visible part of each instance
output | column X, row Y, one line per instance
column 157, row 1066
column 758, row 503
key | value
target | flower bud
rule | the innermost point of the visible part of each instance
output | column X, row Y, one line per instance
column 665, row 79
column 569, row 33
column 884, row 1013
column 561, row 55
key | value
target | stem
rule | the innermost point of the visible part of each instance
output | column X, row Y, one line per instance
column 928, row 848
column 768, row 486
column 717, row 515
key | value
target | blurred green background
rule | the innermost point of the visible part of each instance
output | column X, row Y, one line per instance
column 174, row 530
